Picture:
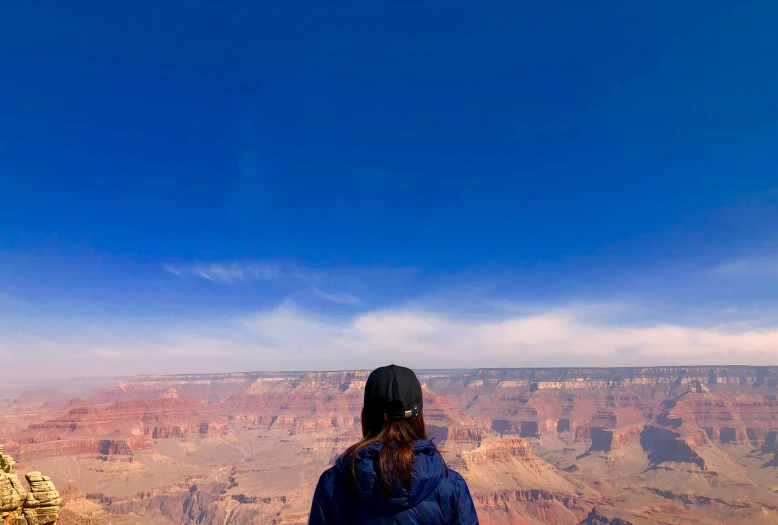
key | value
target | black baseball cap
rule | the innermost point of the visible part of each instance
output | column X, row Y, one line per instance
column 388, row 385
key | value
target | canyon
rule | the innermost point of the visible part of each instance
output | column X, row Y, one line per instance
column 564, row 446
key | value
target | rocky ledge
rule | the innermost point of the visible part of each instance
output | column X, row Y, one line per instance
column 39, row 506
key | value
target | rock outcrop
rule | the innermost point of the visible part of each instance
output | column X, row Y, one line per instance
column 596, row 517
column 42, row 504
column 39, row 506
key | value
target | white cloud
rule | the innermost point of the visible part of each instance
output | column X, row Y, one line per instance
column 338, row 298
column 555, row 338
column 229, row 273
column 289, row 338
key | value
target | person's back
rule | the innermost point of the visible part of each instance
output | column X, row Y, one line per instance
column 395, row 474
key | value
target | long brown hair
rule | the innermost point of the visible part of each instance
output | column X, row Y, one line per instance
column 395, row 459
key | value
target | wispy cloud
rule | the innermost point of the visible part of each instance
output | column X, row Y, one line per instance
column 754, row 267
column 338, row 298
column 172, row 269
column 299, row 279
column 230, row 273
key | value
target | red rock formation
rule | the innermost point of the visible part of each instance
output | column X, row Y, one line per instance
column 531, row 506
column 311, row 402
column 660, row 429
column 664, row 445
column 610, row 428
column 74, row 447
column 157, row 418
column 724, row 418
column 499, row 450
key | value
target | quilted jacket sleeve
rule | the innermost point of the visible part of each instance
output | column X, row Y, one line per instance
column 321, row 507
column 465, row 510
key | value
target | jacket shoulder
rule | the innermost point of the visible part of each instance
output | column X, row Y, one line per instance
column 456, row 477
column 455, row 500
column 325, row 507
column 449, row 489
column 326, row 485
column 331, row 492
column 453, row 482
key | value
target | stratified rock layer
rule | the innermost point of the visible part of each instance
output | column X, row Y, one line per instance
column 614, row 446
column 39, row 506
column 42, row 504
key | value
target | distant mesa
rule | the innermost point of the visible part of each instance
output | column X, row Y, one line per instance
column 38, row 400
column 171, row 393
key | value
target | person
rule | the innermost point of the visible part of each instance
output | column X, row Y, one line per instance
column 394, row 474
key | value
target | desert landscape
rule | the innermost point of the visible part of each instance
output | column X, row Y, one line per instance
column 565, row 446
column 217, row 218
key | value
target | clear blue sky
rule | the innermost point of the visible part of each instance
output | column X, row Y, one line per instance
column 300, row 184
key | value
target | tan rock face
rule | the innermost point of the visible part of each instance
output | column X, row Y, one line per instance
column 498, row 450
column 10, row 498
column 39, row 506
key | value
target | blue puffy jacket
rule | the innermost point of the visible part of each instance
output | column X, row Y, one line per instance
column 438, row 496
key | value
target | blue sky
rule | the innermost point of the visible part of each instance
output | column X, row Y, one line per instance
column 193, row 187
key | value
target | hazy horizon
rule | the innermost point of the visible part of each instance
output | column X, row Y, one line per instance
column 87, row 386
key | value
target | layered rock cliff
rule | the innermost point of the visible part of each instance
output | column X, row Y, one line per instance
column 638, row 446
column 38, row 506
